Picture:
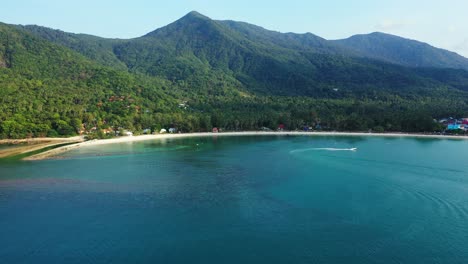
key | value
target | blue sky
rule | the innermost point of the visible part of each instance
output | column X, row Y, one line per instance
column 440, row 23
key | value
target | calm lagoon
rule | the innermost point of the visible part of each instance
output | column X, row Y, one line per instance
column 249, row 199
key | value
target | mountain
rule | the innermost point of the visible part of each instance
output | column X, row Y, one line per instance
column 47, row 89
column 205, row 54
column 403, row 51
column 262, row 61
column 197, row 73
column 303, row 42
column 380, row 46
column 95, row 48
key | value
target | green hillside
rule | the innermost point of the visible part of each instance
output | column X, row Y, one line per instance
column 195, row 49
column 263, row 62
column 403, row 51
column 49, row 90
column 197, row 73
column 95, row 48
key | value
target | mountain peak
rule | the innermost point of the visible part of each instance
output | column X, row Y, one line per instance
column 190, row 20
column 195, row 14
column 378, row 33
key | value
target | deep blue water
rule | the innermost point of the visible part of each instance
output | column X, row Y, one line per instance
column 240, row 200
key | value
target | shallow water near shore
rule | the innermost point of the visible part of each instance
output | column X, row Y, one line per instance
column 251, row 199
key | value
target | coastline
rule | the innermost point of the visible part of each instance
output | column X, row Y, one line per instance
column 53, row 152
column 24, row 146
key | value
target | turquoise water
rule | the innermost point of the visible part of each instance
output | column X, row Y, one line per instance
column 240, row 200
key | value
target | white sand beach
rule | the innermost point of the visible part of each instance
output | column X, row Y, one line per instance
column 54, row 152
column 23, row 146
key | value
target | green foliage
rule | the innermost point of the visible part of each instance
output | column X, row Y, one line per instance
column 196, row 74
column 200, row 55
column 402, row 51
column 49, row 90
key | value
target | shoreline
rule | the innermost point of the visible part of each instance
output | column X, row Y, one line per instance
column 53, row 152
column 28, row 145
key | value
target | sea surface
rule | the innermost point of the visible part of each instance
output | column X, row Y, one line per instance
column 248, row 199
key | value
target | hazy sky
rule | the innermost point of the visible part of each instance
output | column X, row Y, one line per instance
column 440, row 23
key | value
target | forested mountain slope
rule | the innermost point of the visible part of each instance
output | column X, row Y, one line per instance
column 403, row 51
column 47, row 89
column 197, row 73
column 195, row 50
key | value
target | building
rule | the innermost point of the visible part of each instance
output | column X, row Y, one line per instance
column 454, row 126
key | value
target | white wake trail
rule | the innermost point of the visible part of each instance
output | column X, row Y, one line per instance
column 323, row 149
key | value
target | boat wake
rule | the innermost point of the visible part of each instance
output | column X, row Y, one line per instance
column 322, row 149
